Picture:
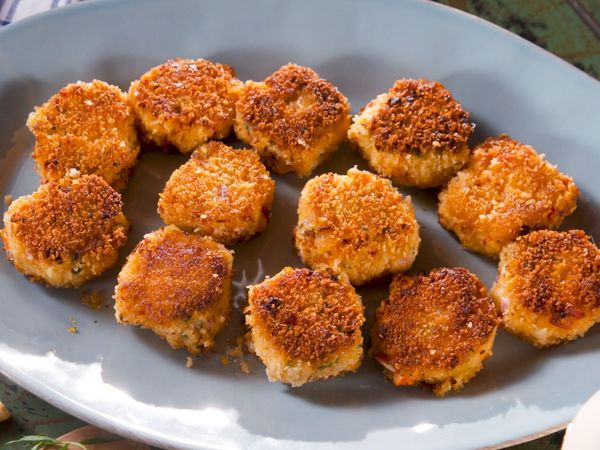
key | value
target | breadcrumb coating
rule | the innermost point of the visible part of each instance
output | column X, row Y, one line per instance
column 66, row 232
column 505, row 190
column 220, row 192
column 435, row 329
column 357, row 224
column 185, row 102
column 548, row 286
column 88, row 127
column 305, row 325
column 177, row 285
column 295, row 119
column 416, row 133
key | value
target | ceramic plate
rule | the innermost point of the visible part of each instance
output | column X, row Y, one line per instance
column 127, row 380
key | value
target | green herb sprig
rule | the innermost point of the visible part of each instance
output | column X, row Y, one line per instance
column 41, row 441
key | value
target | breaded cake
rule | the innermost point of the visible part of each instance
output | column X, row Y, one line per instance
column 305, row 325
column 179, row 286
column 505, row 190
column 416, row 133
column 220, row 192
column 548, row 286
column 66, row 232
column 185, row 102
column 85, row 127
column 295, row 119
column 357, row 224
column 434, row 329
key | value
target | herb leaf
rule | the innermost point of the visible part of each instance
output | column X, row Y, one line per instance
column 41, row 441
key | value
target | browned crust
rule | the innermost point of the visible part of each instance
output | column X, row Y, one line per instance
column 505, row 190
column 351, row 213
column 172, row 277
column 354, row 218
column 86, row 126
column 188, row 91
column 219, row 187
column 556, row 275
column 433, row 321
column 420, row 116
column 70, row 219
column 270, row 108
column 308, row 314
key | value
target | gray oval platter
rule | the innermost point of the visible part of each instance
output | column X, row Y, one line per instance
column 129, row 381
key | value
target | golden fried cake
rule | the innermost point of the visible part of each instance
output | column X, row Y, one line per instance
column 305, row 325
column 85, row 127
column 357, row 224
column 66, row 232
column 295, row 119
column 416, row 133
column 548, row 286
column 434, row 329
column 185, row 102
column 506, row 189
column 220, row 192
column 179, row 286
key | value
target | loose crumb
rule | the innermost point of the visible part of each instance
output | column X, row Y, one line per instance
column 8, row 199
column 189, row 362
column 72, row 329
column 92, row 299
column 244, row 367
column 234, row 351
column 224, row 360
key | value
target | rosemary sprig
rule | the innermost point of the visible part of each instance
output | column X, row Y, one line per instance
column 41, row 441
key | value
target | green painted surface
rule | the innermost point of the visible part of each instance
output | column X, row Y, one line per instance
column 551, row 24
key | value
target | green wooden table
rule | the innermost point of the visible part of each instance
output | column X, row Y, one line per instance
column 567, row 28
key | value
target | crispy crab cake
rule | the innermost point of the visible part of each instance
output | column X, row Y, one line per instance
column 416, row 133
column 357, row 224
column 185, row 102
column 506, row 189
column 220, row 192
column 66, row 232
column 434, row 329
column 548, row 286
column 179, row 286
column 295, row 119
column 305, row 325
column 88, row 127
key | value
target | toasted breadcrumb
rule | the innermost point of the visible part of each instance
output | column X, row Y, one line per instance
column 357, row 224
column 505, row 190
column 416, row 133
column 167, row 285
column 295, row 119
column 434, row 329
column 72, row 329
column 66, row 232
column 92, row 299
column 8, row 199
column 189, row 362
column 86, row 127
column 185, row 102
column 548, row 286
column 220, row 192
column 305, row 325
